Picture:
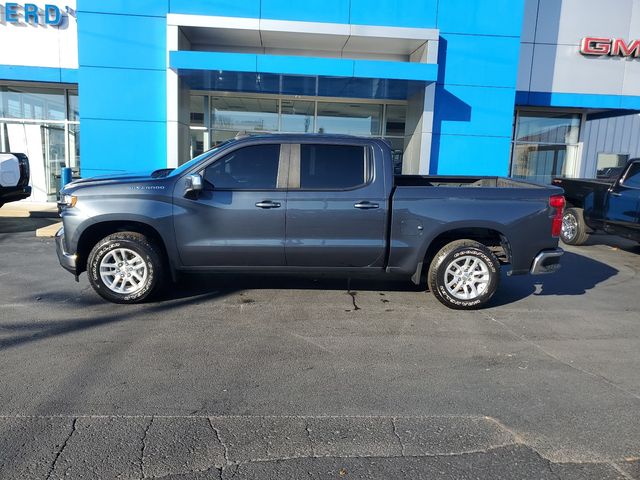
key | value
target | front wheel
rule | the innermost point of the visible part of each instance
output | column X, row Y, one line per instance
column 125, row 267
column 574, row 229
column 464, row 275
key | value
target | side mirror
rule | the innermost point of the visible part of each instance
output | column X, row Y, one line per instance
column 193, row 185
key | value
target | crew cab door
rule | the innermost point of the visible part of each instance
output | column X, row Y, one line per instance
column 336, row 207
column 238, row 218
column 623, row 200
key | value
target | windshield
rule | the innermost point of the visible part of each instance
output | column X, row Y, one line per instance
column 186, row 166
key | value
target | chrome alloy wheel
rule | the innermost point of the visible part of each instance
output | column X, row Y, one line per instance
column 467, row 277
column 569, row 226
column 123, row 271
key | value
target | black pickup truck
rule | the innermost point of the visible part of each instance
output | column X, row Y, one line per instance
column 610, row 205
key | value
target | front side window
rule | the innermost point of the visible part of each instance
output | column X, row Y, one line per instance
column 331, row 167
column 632, row 178
column 249, row 168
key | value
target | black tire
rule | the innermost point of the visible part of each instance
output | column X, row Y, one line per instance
column 150, row 253
column 574, row 228
column 437, row 275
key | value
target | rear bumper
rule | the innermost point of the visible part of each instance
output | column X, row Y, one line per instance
column 67, row 260
column 547, row 261
column 14, row 194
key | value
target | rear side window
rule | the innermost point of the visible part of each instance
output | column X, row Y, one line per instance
column 332, row 167
column 248, row 168
column 632, row 178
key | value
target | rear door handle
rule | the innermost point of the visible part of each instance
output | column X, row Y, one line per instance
column 268, row 204
column 366, row 205
column 615, row 194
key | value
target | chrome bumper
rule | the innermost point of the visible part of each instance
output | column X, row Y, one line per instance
column 547, row 261
column 67, row 260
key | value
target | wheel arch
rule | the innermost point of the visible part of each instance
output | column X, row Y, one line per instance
column 95, row 232
column 491, row 236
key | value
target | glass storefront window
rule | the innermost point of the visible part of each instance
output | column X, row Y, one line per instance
column 349, row 118
column 42, row 122
column 548, row 127
column 197, row 142
column 395, row 120
column 297, row 116
column 74, row 107
column 546, row 145
column 32, row 103
column 198, row 104
column 244, row 114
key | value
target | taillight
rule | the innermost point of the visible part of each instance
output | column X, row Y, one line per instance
column 557, row 202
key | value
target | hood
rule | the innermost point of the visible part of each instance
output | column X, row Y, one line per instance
column 108, row 179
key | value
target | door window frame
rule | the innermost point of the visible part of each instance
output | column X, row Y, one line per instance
column 295, row 167
column 282, row 175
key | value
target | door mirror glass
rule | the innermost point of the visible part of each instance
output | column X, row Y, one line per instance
column 193, row 185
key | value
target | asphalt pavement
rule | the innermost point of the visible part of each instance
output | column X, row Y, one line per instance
column 270, row 377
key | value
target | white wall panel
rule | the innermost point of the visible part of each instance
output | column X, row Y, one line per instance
column 41, row 45
column 524, row 67
column 560, row 68
column 529, row 23
column 567, row 21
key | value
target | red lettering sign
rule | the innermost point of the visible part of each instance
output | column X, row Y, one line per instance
column 595, row 46
column 613, row 47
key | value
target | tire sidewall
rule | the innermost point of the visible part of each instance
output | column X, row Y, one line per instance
column 94, row 270
column 494, row 277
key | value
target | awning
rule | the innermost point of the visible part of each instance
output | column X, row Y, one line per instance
column 301, row 75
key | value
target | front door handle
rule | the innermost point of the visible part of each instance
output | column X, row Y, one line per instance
column 366, row 205
column 615, row 194
column 268, row 204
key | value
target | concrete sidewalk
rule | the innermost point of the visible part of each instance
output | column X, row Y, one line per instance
column 34, row 210
column 29, row 209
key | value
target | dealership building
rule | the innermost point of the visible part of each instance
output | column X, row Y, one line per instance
column 524, row 88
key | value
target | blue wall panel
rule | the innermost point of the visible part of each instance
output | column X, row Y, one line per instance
column 122, row 146
column 478, row 59
column 125, row 7
column 472, row 155
column 127, row 103
column 485, row 61
column 481, row 17
column 38, row 74
column 465, row 110
column 395, row 13
column 332, row 11
column 224, row 8
column 122, row 80
column 121, row 41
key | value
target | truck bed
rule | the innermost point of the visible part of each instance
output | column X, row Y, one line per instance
column 461, row 181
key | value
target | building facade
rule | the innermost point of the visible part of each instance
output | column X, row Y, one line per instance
column 527, row 88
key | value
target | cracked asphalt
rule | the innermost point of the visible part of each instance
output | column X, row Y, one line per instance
column 259, row 378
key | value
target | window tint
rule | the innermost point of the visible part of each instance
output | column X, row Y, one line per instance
column 254, row 167
column 632, row 178
column 331, row 166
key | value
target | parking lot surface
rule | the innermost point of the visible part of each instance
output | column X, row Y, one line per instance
column 273, row 377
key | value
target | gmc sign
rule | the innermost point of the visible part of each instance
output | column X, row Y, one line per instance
column 613, row 47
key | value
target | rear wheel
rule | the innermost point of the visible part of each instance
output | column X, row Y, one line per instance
column 464, row 275
column 125, row 267
column 574, row 229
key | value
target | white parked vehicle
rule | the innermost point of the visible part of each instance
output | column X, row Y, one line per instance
column 14, row 177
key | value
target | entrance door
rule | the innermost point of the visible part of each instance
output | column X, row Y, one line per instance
column 239, row 217
column 335, row 213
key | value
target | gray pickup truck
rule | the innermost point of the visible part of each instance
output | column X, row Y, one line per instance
column 307, row 204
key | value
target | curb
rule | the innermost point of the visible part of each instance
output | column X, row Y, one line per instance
column 49, row 231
